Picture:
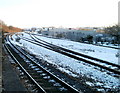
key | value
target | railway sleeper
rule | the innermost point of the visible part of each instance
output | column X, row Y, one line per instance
column 51, row 89
column 33, row 73
column 45, row 82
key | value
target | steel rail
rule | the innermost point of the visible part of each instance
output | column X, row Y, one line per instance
column 76, row 53
column 40, row 89
column 71, row 55
column 85, row 43
column 69, row 87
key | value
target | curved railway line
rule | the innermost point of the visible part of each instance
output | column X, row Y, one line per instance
column 92, row 44
column 87, row 59
column 44, row 80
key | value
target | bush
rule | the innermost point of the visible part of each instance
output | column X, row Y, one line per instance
column 59, row 35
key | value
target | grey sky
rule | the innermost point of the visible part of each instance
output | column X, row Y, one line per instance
column 66, row 13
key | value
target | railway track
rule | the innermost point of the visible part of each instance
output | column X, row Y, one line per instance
column 75, row 53
column 114, row 68
column 44, row 80
column 87, row 43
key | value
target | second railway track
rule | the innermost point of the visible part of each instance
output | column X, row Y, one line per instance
column 44, row 80
column 87, row 59
column 73, row 52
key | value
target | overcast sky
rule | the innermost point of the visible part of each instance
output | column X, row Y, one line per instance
column 65, row 13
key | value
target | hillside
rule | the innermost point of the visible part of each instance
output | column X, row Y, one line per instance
column 6, row 28
column 10, row 29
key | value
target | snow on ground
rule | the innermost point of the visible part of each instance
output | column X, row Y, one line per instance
column 74, row 67
column 103, row 53
column 109, row 45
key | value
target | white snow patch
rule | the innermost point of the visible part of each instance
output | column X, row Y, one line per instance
column 70, row 65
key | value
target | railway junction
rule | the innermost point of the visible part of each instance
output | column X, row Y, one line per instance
column 22, row 71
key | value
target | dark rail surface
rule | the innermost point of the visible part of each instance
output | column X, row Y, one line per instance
column 87, row 43
column 12, row 49
column 76, row 53
column 40, row 89
column 73, row 54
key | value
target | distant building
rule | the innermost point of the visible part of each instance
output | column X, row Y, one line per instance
column 69, row 33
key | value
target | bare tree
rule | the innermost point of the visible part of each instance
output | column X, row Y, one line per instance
column 114, row 31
